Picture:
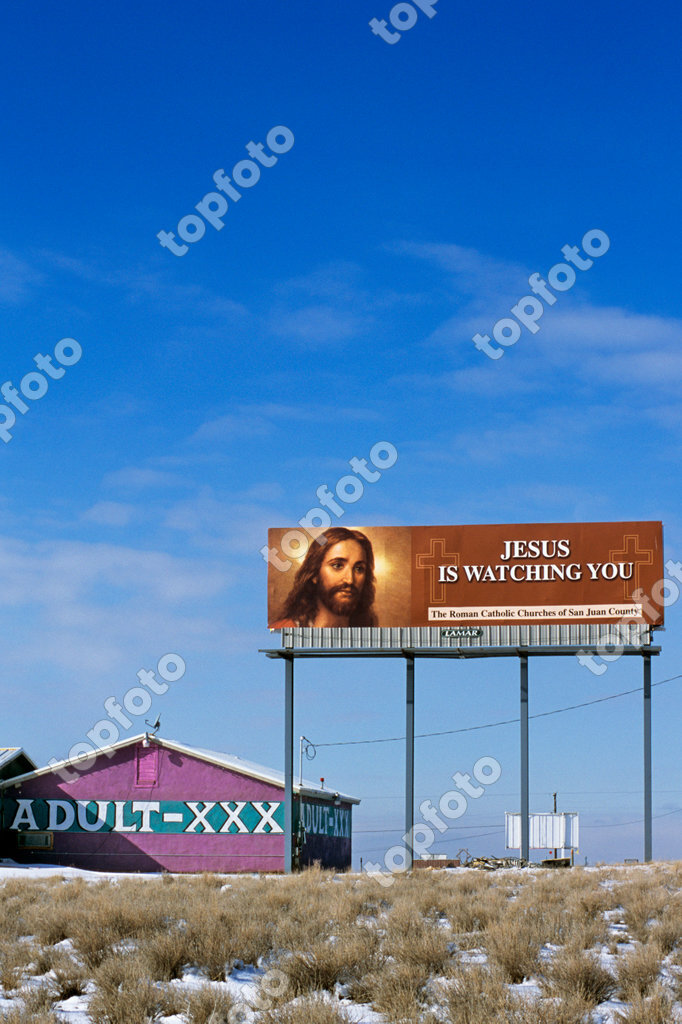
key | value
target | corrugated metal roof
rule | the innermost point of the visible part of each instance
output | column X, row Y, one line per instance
column 231, row 761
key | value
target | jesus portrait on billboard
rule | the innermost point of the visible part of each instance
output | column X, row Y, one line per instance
column 335, row 584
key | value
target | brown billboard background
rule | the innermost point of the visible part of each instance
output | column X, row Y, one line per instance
column 412, row 573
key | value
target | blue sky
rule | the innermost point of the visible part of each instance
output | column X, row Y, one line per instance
column 218, row 390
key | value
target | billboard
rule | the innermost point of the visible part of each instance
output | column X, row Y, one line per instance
column 466, row 576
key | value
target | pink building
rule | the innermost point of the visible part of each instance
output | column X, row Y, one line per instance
column 151, row 804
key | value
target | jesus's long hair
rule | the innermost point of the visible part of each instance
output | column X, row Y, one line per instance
column 301, row 604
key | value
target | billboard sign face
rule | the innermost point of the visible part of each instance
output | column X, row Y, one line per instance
column 463, row 577
column 558, row 831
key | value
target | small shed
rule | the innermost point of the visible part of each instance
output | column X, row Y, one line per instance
column 152, row 804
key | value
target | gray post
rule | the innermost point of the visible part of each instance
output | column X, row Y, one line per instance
column 525, row 837
column 409, row 760
column 288, row 764
column 647, row 757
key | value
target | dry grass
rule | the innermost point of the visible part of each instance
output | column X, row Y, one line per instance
column 667, row 930
column 21, row 1016
column 351, row 954
column 125, row 995
column 38, row 998
column 208, row 1005
column 638, row 970
column 655, row 1010
column 398, row 991
column 513, row 944
column 547, row 1011
column 474, row 904
column 15, row 958
column 417, row 941
column 70, row 977
column 475, row 995
column 312, row 1010
column 578, row 974
column 165, row 954
column 644, row 903
column 390, row 948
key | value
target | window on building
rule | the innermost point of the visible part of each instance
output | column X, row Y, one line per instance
column 35, row 840
column 147, row 766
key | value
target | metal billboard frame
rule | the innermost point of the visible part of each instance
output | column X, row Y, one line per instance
column 289, row 654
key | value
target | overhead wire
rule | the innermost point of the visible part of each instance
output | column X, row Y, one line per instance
column 505, row 721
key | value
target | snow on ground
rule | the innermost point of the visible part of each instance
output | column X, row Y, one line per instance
column 243, row 982
column 10, row 869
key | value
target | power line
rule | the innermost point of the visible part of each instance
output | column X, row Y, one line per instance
column 635, row 821
column 453, row 839
column 506, row 721
column 400, row 828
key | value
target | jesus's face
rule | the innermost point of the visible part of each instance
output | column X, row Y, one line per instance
column 341, row 577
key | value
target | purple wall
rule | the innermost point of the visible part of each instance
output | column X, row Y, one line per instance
column 180, row 778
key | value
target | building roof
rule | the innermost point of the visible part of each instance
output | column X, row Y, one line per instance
column 10, row 754
column 230, row 761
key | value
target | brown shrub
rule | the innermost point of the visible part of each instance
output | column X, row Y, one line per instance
column 472, row 907
column 413, row 940
column 70, row 977
column 396, row 991
column 643, row 902
column 165, row 954
column 209, row 1005
column 638, row 970
column 585, row 932
column 38, row 998
column 15, row 958
column 578, row 974
column 513, row 945
column 658, row 1009
column 667, row 931
column 19, row 1015
column 547, row 1011
column 475, row 995
column 351, row 953
column 124, row 995
column 312, row 1010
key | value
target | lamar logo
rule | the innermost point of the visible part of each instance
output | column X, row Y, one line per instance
column 452, row 632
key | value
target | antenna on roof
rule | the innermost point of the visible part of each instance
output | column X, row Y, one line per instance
column 155, row 726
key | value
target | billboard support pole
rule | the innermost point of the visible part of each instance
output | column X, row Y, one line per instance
column 525, row 838
column 288, row 764
column 647, row 756
column 409, row 760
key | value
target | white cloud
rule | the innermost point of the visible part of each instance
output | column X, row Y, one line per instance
column 318, row 325
column 86, row 606
column 16, row 278
column 109, row 513
column 138, row 478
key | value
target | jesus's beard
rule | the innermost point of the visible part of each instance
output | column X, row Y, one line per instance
column 341, row 600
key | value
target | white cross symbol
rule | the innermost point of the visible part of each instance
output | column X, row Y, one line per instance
column 266, row 817
column 233, row 816
column 200, row 816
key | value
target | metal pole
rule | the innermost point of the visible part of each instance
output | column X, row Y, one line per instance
column 647, row 757
column 555, row 853
column 525, row 838
column 288, row 764
column 409, row 760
